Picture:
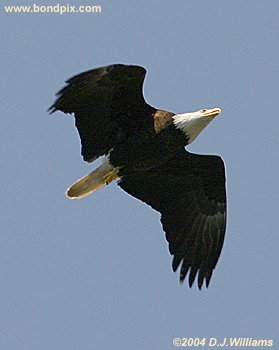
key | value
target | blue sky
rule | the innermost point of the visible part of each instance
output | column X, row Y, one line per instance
column 96, row 273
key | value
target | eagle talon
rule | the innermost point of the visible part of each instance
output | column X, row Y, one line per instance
column 109, row 177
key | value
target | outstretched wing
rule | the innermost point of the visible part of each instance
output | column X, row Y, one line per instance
column 108, row 104
column 189, row 192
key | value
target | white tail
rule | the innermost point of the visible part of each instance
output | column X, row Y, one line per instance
column 100, row 177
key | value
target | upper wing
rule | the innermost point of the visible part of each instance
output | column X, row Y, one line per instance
column 189, row 192
column 108, row 104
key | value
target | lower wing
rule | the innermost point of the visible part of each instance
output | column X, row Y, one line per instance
column 189, row 192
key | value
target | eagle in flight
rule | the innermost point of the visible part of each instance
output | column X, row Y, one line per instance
column 144, row 150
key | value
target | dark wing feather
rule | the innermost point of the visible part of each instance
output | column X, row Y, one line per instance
column 189, row 192
column 108, row 104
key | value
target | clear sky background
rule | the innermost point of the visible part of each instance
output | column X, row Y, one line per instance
column 96, row 273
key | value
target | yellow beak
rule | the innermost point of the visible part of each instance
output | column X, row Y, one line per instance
column 213, row 112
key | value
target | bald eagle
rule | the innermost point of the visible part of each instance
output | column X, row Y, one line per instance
column 144, row 150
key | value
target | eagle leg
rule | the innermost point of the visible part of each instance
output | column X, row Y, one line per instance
column 109, row 177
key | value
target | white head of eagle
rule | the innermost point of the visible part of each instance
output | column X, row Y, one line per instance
column 191, row 124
